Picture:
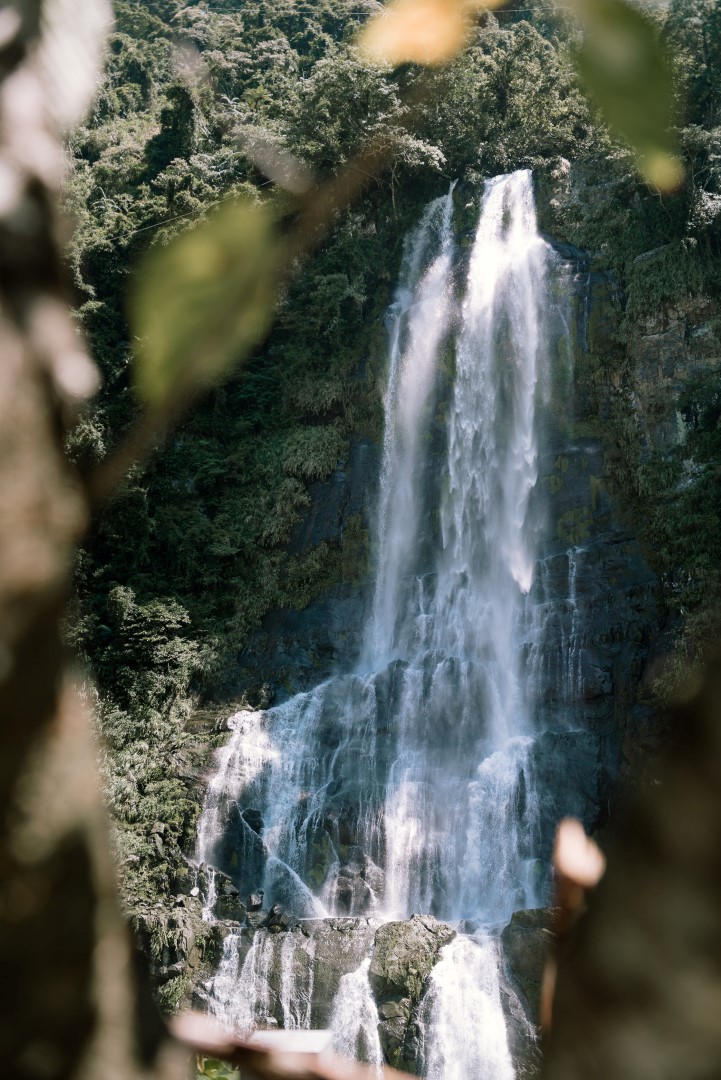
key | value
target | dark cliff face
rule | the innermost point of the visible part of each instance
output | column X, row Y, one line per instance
column 295, row 650
column 607, row 613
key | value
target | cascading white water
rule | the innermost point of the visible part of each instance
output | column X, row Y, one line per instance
column 463, row 642
column 419, row 321
column 240, row 761
column 354, row 1021
column 408, row 785
column 242, row 995
column 238, row 994
column 464, row 1033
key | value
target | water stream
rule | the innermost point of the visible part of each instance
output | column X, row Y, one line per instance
column 407, row 785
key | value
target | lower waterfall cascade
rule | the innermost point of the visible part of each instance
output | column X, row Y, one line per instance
column 414, row 783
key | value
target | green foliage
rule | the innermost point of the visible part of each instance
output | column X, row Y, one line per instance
column 511, row 100
column 624, row 65
column 216, row 1070
column 203, row 302
column 171, row 993
column 147, row 638
column 662, row 275
column 311, row 453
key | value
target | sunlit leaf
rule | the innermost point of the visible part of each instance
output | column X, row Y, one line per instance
column 420, row 31
column 203, row 302
column 625, row 68
column 576, row 856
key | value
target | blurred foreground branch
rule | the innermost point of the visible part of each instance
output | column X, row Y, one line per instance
column 638, row 990
column 272, row 1056
column 67, row 995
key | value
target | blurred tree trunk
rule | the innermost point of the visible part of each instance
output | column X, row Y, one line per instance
column 67, row 995
column 638, row 990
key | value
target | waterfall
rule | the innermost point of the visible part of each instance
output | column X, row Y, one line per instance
column 419, row 320
column 248, row 751
column 272, row 986
column 462, row 705
column 463, row 1029
column 407, row 784
column 236, row 996
column 354, row 1021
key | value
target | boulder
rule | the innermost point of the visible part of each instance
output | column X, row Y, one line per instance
column 254, row 820
column 276, row 918
column 404, row 954
column 339, row 947
column 183, row 881
column 357, row 883
column 526, row 942
column 229, row 908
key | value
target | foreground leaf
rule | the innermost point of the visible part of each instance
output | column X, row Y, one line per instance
column 625, row 68
column 204, row 302
column 420, row 31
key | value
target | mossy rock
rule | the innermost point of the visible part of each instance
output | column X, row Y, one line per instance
column 526, row 942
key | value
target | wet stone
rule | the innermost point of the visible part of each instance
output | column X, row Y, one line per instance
column 254, row 820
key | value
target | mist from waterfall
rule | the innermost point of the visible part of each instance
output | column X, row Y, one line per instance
column 407, row 785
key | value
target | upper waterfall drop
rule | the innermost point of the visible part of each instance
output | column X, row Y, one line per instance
column 489, row 532
column 493, row 438
column 418, row 319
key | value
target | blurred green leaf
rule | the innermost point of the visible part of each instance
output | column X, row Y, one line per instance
column 203, row 302
column 216, row 1070
column 626, row 69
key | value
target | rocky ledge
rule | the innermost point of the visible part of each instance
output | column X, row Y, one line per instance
column 288, row 972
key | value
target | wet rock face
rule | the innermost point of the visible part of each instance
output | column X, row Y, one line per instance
column 179, row 955
column 526, row 942
column 292, row 971
column 297, row 649
column 358, row 883
column 228, row 905
column 287, row 972
column 601, row 611
column 341, row 945
column 404, row 955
